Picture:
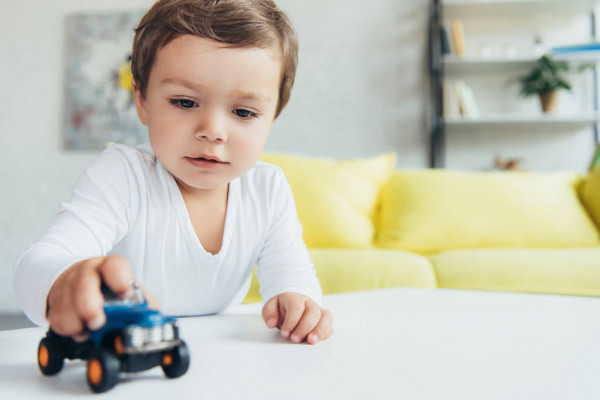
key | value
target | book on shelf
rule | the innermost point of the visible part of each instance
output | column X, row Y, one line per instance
column 458, row 37
column 459, row 99
column 466, row 100
column 445, row 43
column 450, row 97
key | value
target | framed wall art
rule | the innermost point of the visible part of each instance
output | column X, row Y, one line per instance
column 99, row 107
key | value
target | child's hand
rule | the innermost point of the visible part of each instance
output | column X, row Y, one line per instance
column 299, row 317
column 75, row 302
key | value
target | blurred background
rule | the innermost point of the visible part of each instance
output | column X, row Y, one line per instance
column 365, row 85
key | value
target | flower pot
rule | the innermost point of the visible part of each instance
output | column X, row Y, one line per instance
column 548, row 101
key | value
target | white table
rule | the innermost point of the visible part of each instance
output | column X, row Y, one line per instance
column 388, row 344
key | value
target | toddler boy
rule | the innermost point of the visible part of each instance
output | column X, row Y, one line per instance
column 189, row 215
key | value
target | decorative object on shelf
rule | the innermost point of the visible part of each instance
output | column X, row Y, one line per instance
column 485, row 51
column 508, row 164
column 545, row 79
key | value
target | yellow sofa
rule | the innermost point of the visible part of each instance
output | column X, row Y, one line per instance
column 368, row 225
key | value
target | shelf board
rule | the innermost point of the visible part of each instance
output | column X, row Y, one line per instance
column 458, row 8
column 454, row 64
column 523, row 120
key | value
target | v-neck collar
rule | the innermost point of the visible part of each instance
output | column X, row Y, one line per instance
column 186, row 222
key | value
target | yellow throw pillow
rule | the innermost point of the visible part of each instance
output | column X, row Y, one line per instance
column 336, row 200
column 591, row 195
column 429, row 211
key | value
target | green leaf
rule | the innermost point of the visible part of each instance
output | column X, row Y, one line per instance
column 546, row 76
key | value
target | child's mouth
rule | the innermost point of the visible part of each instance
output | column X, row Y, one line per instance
column 203, row 162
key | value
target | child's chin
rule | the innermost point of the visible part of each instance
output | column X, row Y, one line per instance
column 190, row 185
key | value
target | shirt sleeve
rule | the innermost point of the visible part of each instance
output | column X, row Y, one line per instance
column 87, row 225
column 284, row 263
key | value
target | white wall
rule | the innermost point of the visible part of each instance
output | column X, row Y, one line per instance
column 360, row 91
column 362, row 80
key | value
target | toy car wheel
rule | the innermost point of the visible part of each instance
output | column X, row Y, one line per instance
column 50, row 357
column 115, row 343
column 102, row 371
column 176, row 361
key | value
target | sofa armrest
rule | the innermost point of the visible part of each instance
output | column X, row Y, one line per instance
column 590, row 195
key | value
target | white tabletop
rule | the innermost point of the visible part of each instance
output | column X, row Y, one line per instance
column 388, row 344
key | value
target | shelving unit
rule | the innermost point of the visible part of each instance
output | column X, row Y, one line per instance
column 442, row 66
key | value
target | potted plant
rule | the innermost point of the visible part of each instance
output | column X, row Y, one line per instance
column 545, row 79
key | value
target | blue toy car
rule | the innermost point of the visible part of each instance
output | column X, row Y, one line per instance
column 135, row 338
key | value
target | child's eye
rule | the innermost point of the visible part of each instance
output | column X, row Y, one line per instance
column 184, row 103
column 244, row 113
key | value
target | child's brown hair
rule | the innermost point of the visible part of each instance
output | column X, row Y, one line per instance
column 239, row 23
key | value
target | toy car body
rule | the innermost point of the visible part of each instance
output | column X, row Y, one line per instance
column 134, row 338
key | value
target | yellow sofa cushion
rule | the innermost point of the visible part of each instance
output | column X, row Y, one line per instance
column 349, row 270
column 336, row 200
column 553, row 271
column 429, row 211
column 591, row 195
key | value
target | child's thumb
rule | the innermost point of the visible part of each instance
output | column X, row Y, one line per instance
column 270, row 313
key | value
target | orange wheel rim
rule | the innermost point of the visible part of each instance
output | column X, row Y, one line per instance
column 95, row 372
column 43, row 356
column 119, row 348
column 167, row 359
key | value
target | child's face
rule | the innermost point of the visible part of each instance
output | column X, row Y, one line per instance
column 209, row 109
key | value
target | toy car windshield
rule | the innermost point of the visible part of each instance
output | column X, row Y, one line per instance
column 111, row 299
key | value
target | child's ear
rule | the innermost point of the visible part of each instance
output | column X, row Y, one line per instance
column 140, row 103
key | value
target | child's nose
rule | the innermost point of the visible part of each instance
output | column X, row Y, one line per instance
column 211, row 126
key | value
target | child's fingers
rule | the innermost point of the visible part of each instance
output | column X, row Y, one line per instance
column 324, row 328
column 75, row 302
column 88, row 300
column 270, row 312
column 117, row 275
column 310, row 319
column 63, row 314
column 293, row 313
column 64, row 319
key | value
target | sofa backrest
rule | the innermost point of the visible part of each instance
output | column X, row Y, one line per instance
column 429, row 211
column 363, row 203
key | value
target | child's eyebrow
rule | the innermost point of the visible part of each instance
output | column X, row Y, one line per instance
column 239, row 94
column 180, row 82
column 250, row 96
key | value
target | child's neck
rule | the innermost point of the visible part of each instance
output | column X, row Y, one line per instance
column 207, row 210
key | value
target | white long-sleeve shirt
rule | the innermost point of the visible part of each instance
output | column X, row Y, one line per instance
column 127, row 203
